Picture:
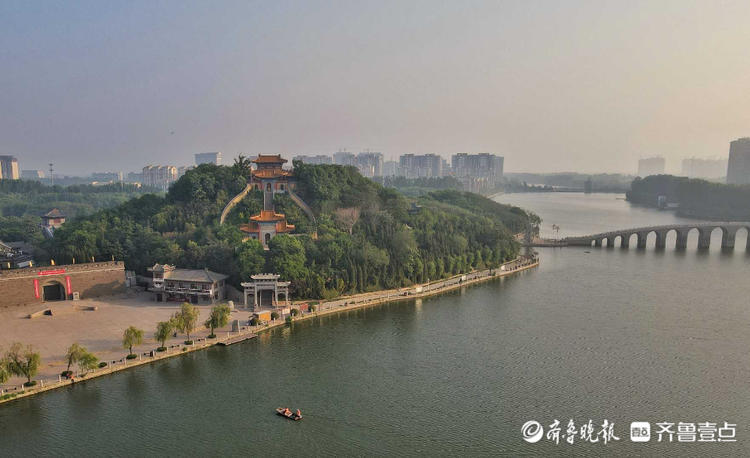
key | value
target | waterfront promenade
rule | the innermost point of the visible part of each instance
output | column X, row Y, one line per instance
column 48, row 380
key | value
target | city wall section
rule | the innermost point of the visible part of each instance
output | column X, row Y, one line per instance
column 38, row 285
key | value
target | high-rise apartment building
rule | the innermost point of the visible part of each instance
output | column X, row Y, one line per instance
column 344, row 158
column 370, row 164
column 420, row 165
column 704, row 168
column 738, row 166
column 390, row 168
column 318, row 159
column 134, row 177
column 159, row 176
column 478, row 172
column 9, row 168
column 651, row 166
column 37, row 175
column 208, row 158
column 183, row 169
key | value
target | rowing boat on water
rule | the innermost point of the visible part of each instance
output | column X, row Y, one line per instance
column 284, row 412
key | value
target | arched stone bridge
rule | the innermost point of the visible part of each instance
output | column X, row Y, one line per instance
column 728, row 231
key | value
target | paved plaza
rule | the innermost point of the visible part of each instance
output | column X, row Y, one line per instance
column 100, row 331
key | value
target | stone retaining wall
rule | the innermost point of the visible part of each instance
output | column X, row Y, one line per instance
column 26, row 286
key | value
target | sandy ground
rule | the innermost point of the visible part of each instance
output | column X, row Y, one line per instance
column 99, row 331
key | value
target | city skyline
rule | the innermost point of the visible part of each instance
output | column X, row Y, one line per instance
column 679, row 166
column 124, row 83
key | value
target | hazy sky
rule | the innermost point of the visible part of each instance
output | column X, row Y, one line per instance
column 551, row 85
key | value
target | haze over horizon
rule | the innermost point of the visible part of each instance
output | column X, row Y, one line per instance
column 584, row 86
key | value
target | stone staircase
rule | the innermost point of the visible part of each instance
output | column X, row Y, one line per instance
column 235, row 200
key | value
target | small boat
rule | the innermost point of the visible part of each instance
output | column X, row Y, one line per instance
column 288, row 414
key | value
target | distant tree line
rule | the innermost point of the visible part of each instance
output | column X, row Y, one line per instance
column 548, row 182
column 422, row 185
column 694, row 197
column 22, row 202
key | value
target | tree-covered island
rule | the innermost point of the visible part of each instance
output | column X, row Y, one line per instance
column 364, row 236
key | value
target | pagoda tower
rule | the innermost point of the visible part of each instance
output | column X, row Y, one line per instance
column 269, row 177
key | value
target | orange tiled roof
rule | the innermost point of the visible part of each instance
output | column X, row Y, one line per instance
column 269, row 159
column 267, row 215
column 54, row 213
column 251, row 228
column 283, row 226
column 271, row 173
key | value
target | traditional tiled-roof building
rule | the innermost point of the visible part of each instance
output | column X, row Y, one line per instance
column 189, row 285
column 53, row 218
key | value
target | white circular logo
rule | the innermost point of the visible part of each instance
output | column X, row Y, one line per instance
column 532, row 431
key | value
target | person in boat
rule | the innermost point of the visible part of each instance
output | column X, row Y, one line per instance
column 299, row 414
column 287, row 411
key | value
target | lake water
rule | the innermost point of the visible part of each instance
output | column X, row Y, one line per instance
column 622, row 335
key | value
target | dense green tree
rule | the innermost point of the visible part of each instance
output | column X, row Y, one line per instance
column 5, row 371
column 163, row 330
column 287, row 257
column 86, row 362
column 218, row 318
column 73, row 354
column 251, row 259
column 242, row 166
column 130, row 338
column 186, row 319
column 23, row 361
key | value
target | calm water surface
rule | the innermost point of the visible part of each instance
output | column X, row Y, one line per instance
column 623, row 335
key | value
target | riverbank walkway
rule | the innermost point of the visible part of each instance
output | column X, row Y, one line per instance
column 342, row 304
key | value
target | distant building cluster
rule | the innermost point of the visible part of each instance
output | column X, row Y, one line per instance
column 736, row 168
column 369, row 164
column 477, row 172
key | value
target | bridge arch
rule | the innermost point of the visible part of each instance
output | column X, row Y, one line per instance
column 671, row 236
column 651, row 238
column 659, row 236
column 628, row 239
column 617, row 240
column 742, row 236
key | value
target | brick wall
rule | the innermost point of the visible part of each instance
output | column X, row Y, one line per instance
column 17, row 286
